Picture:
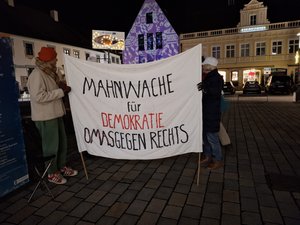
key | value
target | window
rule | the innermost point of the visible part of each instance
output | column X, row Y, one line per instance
column 67, row 51
column 276, row 47
column 28, row 49
column 230, row 49
column 245, row 50
column 293, row 45
column 159, row 44
column 98, row 58
column 234, row 75
column 149, row 18
column 141, row 42
column 150, row 41
column 253, row 20
column 216, row 52
column 260, row 49
column 76, row 54
column 87, row 56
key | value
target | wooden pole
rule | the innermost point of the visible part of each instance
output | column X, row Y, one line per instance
column 84, row 167
column 198, row 177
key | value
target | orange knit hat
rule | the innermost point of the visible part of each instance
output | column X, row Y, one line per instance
column 47, row 54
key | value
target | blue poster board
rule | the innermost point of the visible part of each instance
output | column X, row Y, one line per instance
column 13, row 164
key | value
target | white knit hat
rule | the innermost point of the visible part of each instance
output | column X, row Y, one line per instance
column 210, row 61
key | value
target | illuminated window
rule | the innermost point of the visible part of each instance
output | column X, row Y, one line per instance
column 76, row 54
column 276, row 47
column 149, row 18
column 150, row 41
column 141, row 42
column 234, row 75
column 245, row 50
column 253, row 20
column 159, row 44
column 293, row 45
column 230, row 49
column 216, row 52
column 260, row 49
column 67, row 51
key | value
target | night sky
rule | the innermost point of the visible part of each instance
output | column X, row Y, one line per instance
column 184, row 15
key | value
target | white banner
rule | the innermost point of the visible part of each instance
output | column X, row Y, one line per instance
column 137, row 111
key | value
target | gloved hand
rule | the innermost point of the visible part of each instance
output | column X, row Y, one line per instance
column 200, row 86
column 64, row 87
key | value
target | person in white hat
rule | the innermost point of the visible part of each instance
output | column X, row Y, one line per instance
column 211, row 86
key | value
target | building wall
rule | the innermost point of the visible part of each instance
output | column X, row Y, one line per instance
column 23, row 63
column 265, row 32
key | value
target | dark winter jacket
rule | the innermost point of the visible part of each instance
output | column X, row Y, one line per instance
column 211, row 101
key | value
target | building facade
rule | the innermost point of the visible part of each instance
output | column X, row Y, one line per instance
column 254, row 49
column 151, row 37
column 25, row 49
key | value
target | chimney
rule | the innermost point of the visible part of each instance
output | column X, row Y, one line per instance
column 11, row 3
column 54, row 15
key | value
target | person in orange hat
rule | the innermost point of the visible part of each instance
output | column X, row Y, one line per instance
column 47, row 111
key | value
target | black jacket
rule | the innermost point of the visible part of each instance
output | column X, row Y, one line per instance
column 211, row 101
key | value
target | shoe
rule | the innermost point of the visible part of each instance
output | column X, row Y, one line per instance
column 56, row 178
column 205, row 159
column 68, row 172
column 215, row 165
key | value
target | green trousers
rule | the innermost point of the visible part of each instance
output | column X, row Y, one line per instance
column 54, row 141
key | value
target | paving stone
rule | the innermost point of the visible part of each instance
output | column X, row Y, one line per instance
column 47, row 209
column 231, row 196
column 289, row 210
column 148, row 219
column 213, row 197
column 211, row 210
column 231, row 208
column 106, row 220
column 163, row 193
column 230, row 220
column 177, row 199
column 172, row 212
column 166, row 221
column 137, row 207
column 19, row 217
column 209, row 221
column 64, row 196
column 249, row 204
column 108, row 200
column 117, row 209
column 95, row 196
column 127, row 220
column 193, row 212
column 53, row 218
column 251, row 218
column 32, row 220
column 271, row 215
column 188, row 221
column 128, row 196
column 156, row 205
column 70, row 204
column 182, row 188
column 95, row 213
column 195, row 199
column 266, row 200
column 68, row 220
column 81, row 209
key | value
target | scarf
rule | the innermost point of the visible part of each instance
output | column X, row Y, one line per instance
column 47, row 68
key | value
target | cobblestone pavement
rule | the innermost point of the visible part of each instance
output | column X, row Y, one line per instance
column 259, row 184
